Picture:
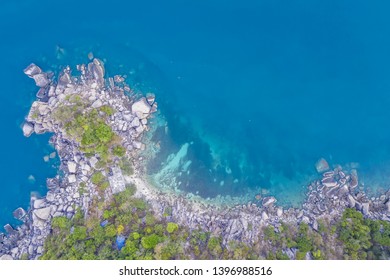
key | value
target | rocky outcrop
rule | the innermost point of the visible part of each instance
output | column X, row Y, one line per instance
column 64, row 194
column 28, row 129
column 326, row 197
column 322, row 165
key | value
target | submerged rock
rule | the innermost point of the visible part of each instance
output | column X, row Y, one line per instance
column 28, row 129
column 19, row 213
column 268, row 201
column 43, row 213
column 150, row 97
column 322, row 165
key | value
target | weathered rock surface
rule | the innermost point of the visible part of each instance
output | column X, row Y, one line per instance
column 28, row 129
column 42, row 213
column 141, row 108
column 268, row 201
column 32, row 70
column 322, row 165
column 6, row 257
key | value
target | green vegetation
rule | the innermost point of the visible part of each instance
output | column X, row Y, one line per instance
column 146, row 236
column 363, row 238
column 126, row 166
column 119, row 151
column 172, row 227
column 89, row 127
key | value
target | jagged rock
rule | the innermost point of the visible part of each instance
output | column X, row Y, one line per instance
column 32, row 70
column 279, row 212
column 117, row 181
column 135, row 122
column 354, row 179
column 268, row 201
column 98, row 103
column 322, row 165
column 72, row 178
column 154, row 108
column 28, row 129
column 30, row 249
column 305, row 219
column 264, row 216
column 332, row 191
column 388, row 206
column 41, row 80
column 42, row 213
column 19, row 213
column 150, row 97
column 39, row 203
column 141, row 108
column 64, row 79
column 98, row 70
column 291, row 253
column 137, row 145
column 39, row 129
column 72, row 167
column 366, row 208
column 315, row 225
column 6, row 257
column 343, row 190
column 351, row 201
column 329, row 182
column 39, row 250
column 93, row 161
column 9, row 229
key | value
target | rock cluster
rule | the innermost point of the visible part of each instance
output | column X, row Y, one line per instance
column 326, row 198
column 65, row 193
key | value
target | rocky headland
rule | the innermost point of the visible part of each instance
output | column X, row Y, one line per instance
column 91, row 168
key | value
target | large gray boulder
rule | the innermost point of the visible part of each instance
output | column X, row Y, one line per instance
column 351, row 201
column 268, row 201
column 6, row 257
column 72, row 167
column 322, row 165
column 32, row 70
column 28, row 129
column 141, row 108
column 366, row 208
column 43, row 213
column 41, row 80
column 96, row 67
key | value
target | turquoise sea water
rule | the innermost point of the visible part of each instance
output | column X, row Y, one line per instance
column 261, row 89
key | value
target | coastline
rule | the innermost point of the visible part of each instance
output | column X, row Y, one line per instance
column 326, row 198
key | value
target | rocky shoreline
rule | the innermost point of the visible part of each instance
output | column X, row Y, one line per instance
column 327, row 197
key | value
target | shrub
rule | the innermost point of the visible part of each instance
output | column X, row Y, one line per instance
column 150, row 241
column 172, row 227
column 119, row 151
column 97, row 178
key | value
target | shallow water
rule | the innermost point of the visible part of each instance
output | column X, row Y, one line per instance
column 261, row 89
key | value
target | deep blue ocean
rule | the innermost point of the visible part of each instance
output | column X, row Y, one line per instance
column 260, row 89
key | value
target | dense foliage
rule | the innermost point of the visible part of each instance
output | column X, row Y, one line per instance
column 94, row 237
column 146, row 236
column 126, row 228
column 90, row 129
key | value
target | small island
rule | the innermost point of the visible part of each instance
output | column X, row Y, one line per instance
column 102, row 206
